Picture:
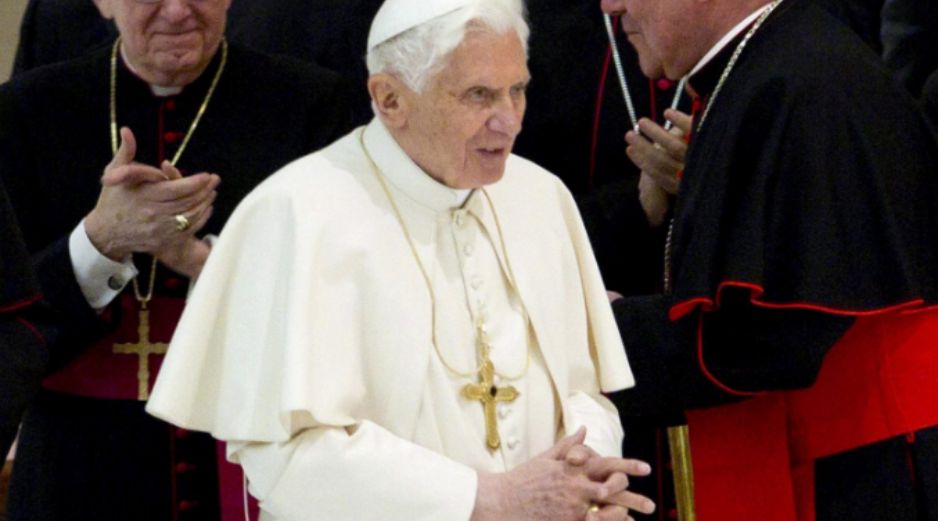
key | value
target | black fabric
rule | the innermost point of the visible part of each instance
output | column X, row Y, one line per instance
column 894, row 479
column 910, row 37
column 331, row 33
column 54, row 144
column 23, row 359
column 86, row 459
column 58, row 30
column 930, row 101
column 862, row 16
column 746, row 348
column 18, row 284
column 819, row 192
column 24, row 327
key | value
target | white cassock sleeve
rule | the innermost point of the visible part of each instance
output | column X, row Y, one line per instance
column 334, row 474
column 595, row 412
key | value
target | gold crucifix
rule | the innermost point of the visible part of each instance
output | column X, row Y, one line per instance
column 143, row 349
column 486, row 392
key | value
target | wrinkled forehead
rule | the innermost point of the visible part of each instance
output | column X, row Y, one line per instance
column 486, row 58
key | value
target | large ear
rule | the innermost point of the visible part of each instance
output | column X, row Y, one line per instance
column 105, row 8
column 390, row 98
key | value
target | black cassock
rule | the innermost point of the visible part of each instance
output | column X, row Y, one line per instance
column 24, row 327
column 88, row 450
column 804, row 257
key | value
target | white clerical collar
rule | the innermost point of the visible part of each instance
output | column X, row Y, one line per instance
column 727, row 38
column 159, row 91
column 401, row 171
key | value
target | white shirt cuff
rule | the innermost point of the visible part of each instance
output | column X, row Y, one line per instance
column 99, row 278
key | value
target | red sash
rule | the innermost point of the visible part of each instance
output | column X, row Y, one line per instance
column 755, row 459
column 99, row 372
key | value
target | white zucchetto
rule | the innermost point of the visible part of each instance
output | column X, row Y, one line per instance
column 397, row 16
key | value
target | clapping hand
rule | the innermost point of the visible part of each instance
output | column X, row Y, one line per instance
column 142, row 208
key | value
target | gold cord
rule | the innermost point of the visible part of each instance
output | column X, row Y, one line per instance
column 144, row 299
column 483, row 346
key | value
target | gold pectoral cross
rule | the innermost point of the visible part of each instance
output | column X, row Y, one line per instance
column 143, row 349
column 486, row 392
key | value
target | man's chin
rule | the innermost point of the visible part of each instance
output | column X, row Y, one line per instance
column 650, row 70
column 173, row 63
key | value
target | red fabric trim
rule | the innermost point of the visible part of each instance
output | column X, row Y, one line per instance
column 755, row 459
column 653, row 99
column 160, row 148
column 923, row 309
column 696, row 105
column 32, row 329
column 21, row 304
column 707, row 304
column 596, row 116
column 706, row 372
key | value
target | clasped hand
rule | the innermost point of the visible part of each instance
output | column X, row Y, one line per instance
column 561, row 485
column 137, row 208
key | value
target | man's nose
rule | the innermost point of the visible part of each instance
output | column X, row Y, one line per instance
column 613, row 7
column 506, row 120
column 176, row 9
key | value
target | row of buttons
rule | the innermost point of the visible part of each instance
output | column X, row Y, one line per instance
column 460, row 220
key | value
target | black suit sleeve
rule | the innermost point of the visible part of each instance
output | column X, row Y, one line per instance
column 24, row 337
column 628, row 250
column 745, row 348
column 49, row 255
column 25, row 326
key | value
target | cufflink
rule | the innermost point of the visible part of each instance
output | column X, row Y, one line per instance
column 115, row 283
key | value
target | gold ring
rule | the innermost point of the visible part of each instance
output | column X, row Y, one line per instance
column 182, row 222
column 593, row 508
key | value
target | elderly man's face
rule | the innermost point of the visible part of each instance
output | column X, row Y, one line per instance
column 461, row 129
column 168, row 42
column 661, row 31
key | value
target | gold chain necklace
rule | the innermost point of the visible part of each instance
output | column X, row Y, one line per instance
column 145, row 299
column 481, row 333
column 713, row 97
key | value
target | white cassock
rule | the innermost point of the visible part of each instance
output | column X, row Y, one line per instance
column 307, row 342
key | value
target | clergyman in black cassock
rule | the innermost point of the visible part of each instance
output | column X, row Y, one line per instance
column 88, row 450
column 799, row 337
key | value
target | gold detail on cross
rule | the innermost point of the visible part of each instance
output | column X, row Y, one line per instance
column 143, row 349
column 486, row 392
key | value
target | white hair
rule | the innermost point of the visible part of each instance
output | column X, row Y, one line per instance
column 417, row 54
